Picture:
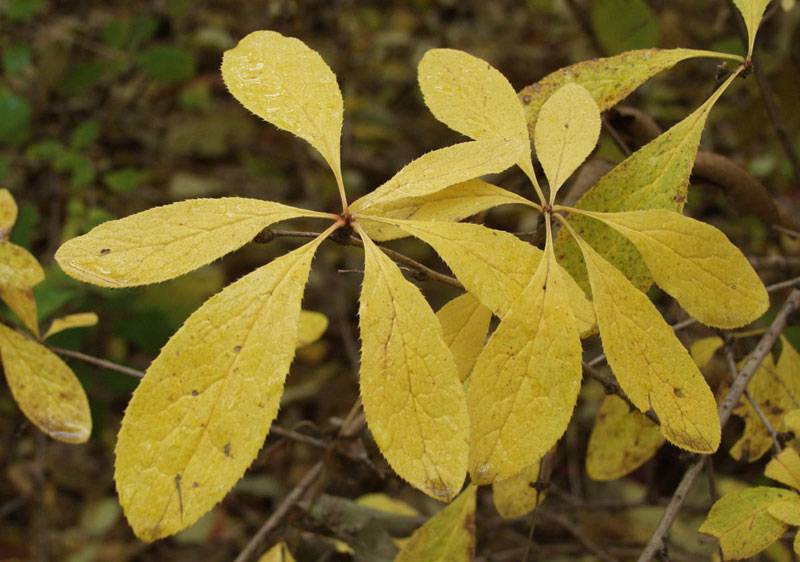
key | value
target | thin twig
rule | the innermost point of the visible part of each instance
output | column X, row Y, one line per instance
column 751, row 364
column 97, row 362
column 579, row 535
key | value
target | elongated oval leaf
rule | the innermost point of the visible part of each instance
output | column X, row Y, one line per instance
column 79, row 320
column 704, row 349
column 8, row 212
column 165, row 242
column 286, row 83
column 621, row 441
column 695, row 263
column 413, row 399
column 649, row 361
column 742, row 523
column 470, row 96
column 448, row 536
column 22, row 302
column 518, row 495
column 205, row 404
column 18, row 268
column 465, row 324
column 46, row 389
column 451, row 204
column 442, row 168
column 654, row 177
column 526, row 380
column 566, row 133
column 752, row 12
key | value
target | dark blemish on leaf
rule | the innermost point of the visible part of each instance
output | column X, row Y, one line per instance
column 195, row 393
column 678, row 392
column 526, row 99
column 105, row 251
column 227, row 449
column 679, row 198
column 195, row 485
column 180, row 496
column 237, row 349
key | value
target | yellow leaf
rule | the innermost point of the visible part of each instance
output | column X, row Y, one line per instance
column 517, row 496
column 22, row 302
column 448, row 536
column 205, row 404
column 609, row 80
column 649, row 361
column 796, row 543
column 465, row 324
column 566, row 133
column 785, row 468
column 312, row 326
column 286, row 83
column 703, row 350
column 695, row 263
column 791, row 421
column 278, row 553
column 413, row 399
column 165, row 242
column 468, row 95
column 742, row 523
column 80, row 320
column 621, row 441
column 18, row 268
column 776, row 390
column 526, row 381
column 451, row 204
column 8, row 212
column 654, row 177
column 46, row 389
column 442, row 168
column 752, row 12
column 493, row 265
column 787, row 511
column 382, row 502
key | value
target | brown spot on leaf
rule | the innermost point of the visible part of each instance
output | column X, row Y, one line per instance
column 237, row 349
column 678, row 392
column 227, row 449
column 105, row 251
column 195, row 393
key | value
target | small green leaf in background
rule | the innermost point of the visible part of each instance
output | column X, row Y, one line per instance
column 81, row 77
column 22, row 10
column 15, row 117
column 129, row 33
column 623, row 25
column 16, row 59
column 85, row 134
column 124, row 180
column 167, row 63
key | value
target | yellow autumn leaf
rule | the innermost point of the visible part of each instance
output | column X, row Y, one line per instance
column 526, row 381
column 742, row 523
column 413, row 399
column 451, row 204
column 278, row 553
column 649, row 361
column 465, row 324
column 493, row 265
column 791, row 421
column 46, row 389
column 518, row 496
column 205, row 404
column 621, row 441
column 703, row 350
column 609, row 79
column 18, row 268
column 286, row 83
column 23, row 304
column 165, row 242
column 448, row 536
column 311, row 327
column 787, row 510
column 752, row 12
column 442, row 168
column 695, row 263
column 79, row 320
column 567, row 131
column 776, row 390
column 785, row 468
column 654, row 177
column 470, row 96
column 8, row 212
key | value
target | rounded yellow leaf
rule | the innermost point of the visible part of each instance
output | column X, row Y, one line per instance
column 46, row 389
column 566, row 133
column 787, row 511
column 518, row 496
column 288, row 84
column 413, row 399
column 703, row 350
column 312, row 326
column 205, row 404
column 165, row 242
column 8, row 212
column 18, row 268
column 465, row 324
column 79, row 320
column 621, row 441
column 22, row 302
column 785, row 468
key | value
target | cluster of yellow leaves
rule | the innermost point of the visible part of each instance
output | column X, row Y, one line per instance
column 748, row 521
column 44, row 387
column 206, row 403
